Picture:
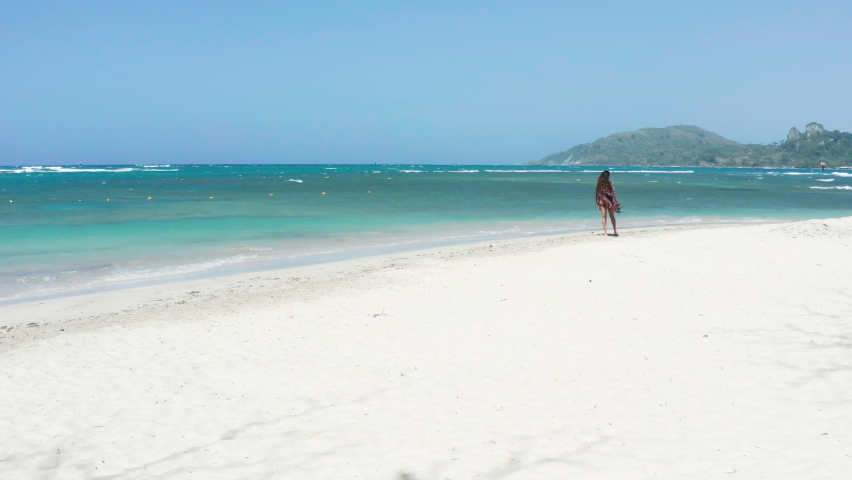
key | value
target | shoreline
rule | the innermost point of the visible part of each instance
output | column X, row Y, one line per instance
column 80, row 243
column 356, row 251
column 686, row 352
column 81, row 305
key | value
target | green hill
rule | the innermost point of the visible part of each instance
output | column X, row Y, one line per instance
column 688, row 145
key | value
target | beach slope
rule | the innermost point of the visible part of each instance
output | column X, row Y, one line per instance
column 713, row 352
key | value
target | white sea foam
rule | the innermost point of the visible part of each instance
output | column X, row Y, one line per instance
column 843, row 187
column 799, row 173
column 132, row 275
column 411, row 171
column 73, row 170
column 41, row 169
column 529, row 171
column 295, row 180
column 825, row 179
column 641, row 171
column 462, row 171
column 842, row 174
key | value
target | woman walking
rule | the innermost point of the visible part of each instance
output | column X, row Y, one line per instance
column 607, row 201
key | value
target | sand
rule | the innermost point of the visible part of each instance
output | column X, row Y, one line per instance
column 721, row 352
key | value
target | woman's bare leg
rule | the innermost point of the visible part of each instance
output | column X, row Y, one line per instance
column 612, row 216
column 603, row 217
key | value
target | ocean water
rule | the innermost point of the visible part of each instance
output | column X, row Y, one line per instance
column 71, row 229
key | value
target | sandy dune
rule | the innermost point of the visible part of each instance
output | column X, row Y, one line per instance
column 721, row 352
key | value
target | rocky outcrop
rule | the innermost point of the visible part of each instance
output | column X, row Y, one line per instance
column 794, row 134
column 813, row 128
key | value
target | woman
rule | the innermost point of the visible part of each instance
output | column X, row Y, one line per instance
column 607, row 201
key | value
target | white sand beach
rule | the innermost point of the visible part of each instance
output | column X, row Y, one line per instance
column 679, row 353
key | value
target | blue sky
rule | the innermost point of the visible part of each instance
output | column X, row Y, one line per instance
column 404, row 82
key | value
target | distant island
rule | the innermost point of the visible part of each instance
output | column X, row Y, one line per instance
column 688, row 145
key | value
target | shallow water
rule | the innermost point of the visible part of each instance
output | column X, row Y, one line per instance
column 70, row 228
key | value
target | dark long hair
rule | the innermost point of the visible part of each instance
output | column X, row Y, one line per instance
column 603, row 182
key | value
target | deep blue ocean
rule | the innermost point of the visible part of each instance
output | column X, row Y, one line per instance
column 66, row 229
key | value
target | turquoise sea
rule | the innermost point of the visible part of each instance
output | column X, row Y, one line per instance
column 67, row 229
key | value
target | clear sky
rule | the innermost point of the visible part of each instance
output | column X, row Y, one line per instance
column 405, row 82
